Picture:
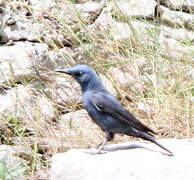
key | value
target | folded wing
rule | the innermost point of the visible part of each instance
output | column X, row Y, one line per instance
column 108, row 104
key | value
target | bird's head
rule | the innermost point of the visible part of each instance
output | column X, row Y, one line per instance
column 81, row 73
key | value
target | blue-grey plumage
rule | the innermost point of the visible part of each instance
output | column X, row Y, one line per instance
column 105, row 110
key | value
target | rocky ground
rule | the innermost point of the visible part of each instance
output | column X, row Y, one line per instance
column 143, row 52
column 146, row 162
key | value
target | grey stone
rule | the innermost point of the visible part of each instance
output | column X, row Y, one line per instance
column 135, row 164
column 172, row 46
column 124, row 31
column 12, row 167
column 104, row 20
column 176, row 18
column 19, row 103
column 186, row 5
column 180, row 34
column 79, row 129
column 18, row 61
column 67, row 93
column 90, row 9
column 108, row 84
column 121, row 31
column 46, row 108
column 137, row 8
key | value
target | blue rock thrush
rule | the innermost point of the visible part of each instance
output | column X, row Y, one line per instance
column 105, row 110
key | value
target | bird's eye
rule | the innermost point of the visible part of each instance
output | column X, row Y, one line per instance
column 79, row 73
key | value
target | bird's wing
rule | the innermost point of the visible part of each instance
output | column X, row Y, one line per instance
column 108, row 104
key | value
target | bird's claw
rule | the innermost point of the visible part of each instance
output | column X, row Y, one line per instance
column 95, row 151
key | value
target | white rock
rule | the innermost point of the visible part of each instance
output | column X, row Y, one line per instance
column 119, row 77
column 62, row 57
column 174, row 48
column 19, row 26
column 136, row 8
column 25, row 104
column 187, row 5
column 67, row 93
column 80, row 129
column 90, row 9
column 20, row 30
column 46, row 108
column 121, row 31
column 104, row 20
column 108, row 84
column 41, row 4
column 144, row 32
column 13, row 167
column 180, row 34
column 176, row 18
column 139, row 30
column 133, row 164
column 19, row 60
column 19, row 102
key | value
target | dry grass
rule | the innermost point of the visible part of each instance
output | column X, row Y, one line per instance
column 162, row 88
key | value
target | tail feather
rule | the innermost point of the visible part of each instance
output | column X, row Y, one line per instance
column 147, row 137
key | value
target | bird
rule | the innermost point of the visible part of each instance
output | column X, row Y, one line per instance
column 106, row 111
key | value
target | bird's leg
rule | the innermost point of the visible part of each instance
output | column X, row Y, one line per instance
column 101, row 146
column 109, row 137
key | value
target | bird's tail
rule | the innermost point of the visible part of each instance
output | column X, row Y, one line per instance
column 147, row 137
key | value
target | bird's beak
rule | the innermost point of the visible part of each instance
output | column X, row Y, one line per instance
column 63, row 71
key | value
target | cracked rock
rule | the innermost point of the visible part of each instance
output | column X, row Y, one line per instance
column 137, row 8
column 18, row 61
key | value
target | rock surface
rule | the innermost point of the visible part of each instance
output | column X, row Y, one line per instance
column 18, row 61
column 79, row 128
column 174, row 45
column 134, row 8
column 176, row 18
column 12, row 167
column 134, row 164
column 186, row 5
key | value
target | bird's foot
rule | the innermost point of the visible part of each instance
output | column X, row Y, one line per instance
column 98, row 146
column 94, row 151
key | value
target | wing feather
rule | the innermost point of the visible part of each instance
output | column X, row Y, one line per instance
column 108, row 104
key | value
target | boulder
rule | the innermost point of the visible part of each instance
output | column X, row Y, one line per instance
column 137, row 8
column 104, row 20
column 26, row 107
column 47, row 18
column 67, row 93
column 108, row 84
column 19, row 102
column 130, row 32
column 90, row 9
column 180, row 34
column 176, row 18
column 124, row 79
column 18, row 61
column 186, row 5
column 145, row 162
column 79, row 129
column 175, row 46
column 11, row 166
